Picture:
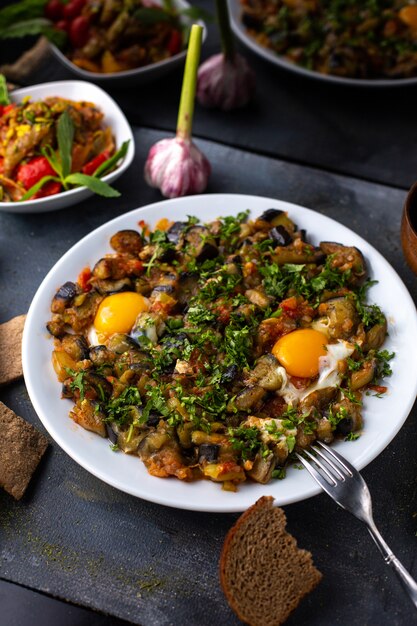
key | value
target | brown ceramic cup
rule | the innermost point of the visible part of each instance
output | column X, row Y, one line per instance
column 409, row 228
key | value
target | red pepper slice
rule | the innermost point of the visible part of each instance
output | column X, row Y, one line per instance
column 49, row 189
column 175, row 43
column 31, row 172
column 90, row 167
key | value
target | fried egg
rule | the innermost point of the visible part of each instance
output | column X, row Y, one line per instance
column 116, row 314
column 299, row 352
column 329, row 371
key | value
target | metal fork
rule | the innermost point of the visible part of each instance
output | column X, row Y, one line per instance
column 342, row 482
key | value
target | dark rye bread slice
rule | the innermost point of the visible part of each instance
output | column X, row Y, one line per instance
column 11, row 350
column 263, row 573
column 21, row 449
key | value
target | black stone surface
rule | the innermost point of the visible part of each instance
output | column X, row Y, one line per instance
column 75, row 538
column 368, row 133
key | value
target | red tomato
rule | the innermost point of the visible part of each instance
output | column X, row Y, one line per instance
column 79, row 31
column 175, row 43
column 1, row 165
column 84, row 278
column 54, row 10
column 73, row 9
column 49, row 189
column 31, row 172
column 62, row 25
column 90, row 167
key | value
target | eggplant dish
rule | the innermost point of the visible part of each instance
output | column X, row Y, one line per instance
column 366, row 40
column 216, row 350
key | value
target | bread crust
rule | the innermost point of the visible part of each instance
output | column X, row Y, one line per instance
column 260, row 517
column 11, row 350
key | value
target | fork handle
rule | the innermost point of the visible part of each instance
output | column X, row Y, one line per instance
column 407, row 580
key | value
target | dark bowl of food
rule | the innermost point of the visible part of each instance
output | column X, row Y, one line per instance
column 409, row 228
column 351, row 43
column 109, row 44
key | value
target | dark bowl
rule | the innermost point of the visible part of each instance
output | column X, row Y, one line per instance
column 409, row 228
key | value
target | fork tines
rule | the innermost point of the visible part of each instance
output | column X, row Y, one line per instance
column 326, row 464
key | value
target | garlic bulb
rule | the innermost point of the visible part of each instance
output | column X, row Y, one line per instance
column 225, row 83
column 177, row 167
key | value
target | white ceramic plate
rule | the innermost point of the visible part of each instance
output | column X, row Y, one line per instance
column 113, row 117
column 139, row 75
column 382, row 417
column 240, row 31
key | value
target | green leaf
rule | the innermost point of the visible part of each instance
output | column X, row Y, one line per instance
column 65, row 134
column 25, row 28
column 110, row 164
column 195, row 13
column 94, row 184
column 52, row 158
column 4, row 93
column 19, row 11
column 35, row 188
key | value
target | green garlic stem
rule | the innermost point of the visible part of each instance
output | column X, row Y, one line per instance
column 189, row 83
column 226, row 35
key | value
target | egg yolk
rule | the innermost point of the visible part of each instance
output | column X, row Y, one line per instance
column 118, row 313
column 300, row 350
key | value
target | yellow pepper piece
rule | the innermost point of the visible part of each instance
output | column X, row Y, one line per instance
column 408, row 15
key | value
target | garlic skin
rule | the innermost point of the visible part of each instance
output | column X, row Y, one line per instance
column 225, row 83
column 177, row 168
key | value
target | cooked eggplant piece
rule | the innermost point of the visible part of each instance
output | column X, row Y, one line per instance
column 342, row 315
column 87, row 414
column 62, row 362
column 127, row 241
column 187, row 287
column 99, row 383
column 56, row 327
column 106, row 287
column 319, row 399
column 262, row 468
column 120, row 343
column 344, row 259
column 100, row 355
column 208, row 453
column 247, row 399
column 258, row 297
column 111, row 435
column 229, row 375
column 76, row 346
column 64, row 297
column 102, row 269
column 353, row 411
column 129, row 440
column 275, row 217
column 298, row 254
column 199, row 243
column 375, row 336
column 280, row 236
column 82, row 313
column 266, row 373
column 168, row 288
column 174, row 232
column 153, row 420
column 324, row 430
column 364, row 376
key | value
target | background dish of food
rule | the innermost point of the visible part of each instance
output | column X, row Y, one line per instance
column 133, row 76
column 240, row 31
column 383, row 417
column 113, row 118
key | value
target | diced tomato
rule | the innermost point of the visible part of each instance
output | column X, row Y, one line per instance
column 1, row 165
column 54, row 10
column 73, row 9
column 31, row 172
column 90, row 167
column 79, row 31
column 62, row 25
column 300, row 383
column 175, row 43
column 378, row 388
column 84, row 279
column 49, row 189
column 6, row 109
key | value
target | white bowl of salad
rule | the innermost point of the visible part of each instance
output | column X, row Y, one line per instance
column 60, row 142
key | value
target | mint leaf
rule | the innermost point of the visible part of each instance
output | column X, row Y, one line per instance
column 94, row 184
column 4, row 94
column 18, row 11
column 109, row 165
column 53, row 159
column 65, row 134
column 35, row 188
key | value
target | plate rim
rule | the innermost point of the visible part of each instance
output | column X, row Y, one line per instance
column 279, row 61
column 310, row 491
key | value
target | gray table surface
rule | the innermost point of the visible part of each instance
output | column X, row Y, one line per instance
column 347, row 153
